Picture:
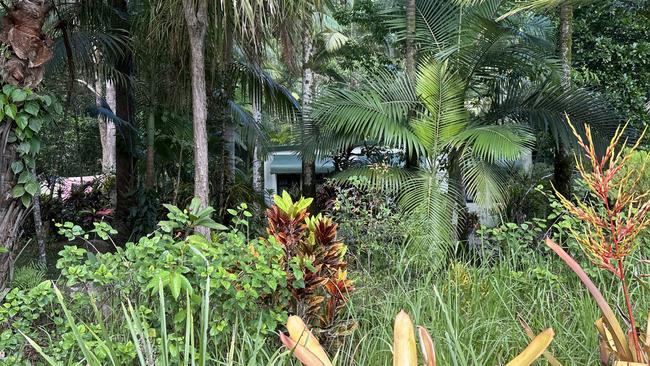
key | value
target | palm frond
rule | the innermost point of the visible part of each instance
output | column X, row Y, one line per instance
column 442, row 93
column 495, row 143
column 425, row 198
column 377, row 111
column 486, row 183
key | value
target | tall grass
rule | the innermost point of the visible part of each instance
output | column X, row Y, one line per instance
column 471, row 313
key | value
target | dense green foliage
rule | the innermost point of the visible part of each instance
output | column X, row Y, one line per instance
column 611, row 51
column 439, row 204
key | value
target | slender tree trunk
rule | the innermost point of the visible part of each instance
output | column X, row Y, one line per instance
column 38, row 227
column 258, row 162
column 106, row 129
column 125, row 146
column 563, row 164
column 566, row 41
column 308, row 157
column 150, row 177
column 111, row 142
column 410, row 39
column 196, row 18
column 27, row 50
column 410, row 55
column 229, row 126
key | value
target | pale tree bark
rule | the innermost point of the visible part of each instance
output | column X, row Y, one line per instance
column 196, row 18
column 308, row 157
column 28, row 49
column 410, row 39
column 106, row 126
column 563, row 164
column 258, row 162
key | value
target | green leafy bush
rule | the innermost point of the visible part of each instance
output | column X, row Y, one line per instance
column 247, row 287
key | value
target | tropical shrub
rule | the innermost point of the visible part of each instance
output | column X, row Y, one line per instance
column 313, row 260
column 250, row 284
column 247, row 286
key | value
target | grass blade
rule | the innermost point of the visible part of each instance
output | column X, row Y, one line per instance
column 609, row 316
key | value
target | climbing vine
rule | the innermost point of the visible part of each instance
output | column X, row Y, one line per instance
column 27, row 112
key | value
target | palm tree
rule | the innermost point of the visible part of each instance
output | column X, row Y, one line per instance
column 484, row 89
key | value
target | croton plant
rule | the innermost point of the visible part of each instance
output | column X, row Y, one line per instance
column 314, row 262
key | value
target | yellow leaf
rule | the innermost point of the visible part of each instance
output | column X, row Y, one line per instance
column 301, row 335
column 534, row 349
column 302, row 354
column 404, row 349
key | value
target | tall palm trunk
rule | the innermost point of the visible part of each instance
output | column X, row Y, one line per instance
column 197, row 23
column 308, row 157
column 410, row 39
column 411, row 159
column 563, row 164
column 28, row 49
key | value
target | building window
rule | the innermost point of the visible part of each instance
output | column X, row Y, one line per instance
column 289, row 183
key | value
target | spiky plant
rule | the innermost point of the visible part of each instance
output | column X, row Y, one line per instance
column 613, row 220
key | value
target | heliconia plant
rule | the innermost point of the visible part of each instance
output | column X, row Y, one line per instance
column 309, row 352
column 314, row 261
column 612, row 220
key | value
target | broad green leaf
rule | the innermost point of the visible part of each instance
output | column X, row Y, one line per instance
column 17, row 167
column 7, row 89
column 26, row 200
column 24, row 177
column 18, row 95
column 18, row 191
column 47, row 100
column 175, row 284
column 24, row 148
column 32, row 108
column 22, row 120
column 35, row 145
column 32, row 188
column 35, row 124
column 11, row 111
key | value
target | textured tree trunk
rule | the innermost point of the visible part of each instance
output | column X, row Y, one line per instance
column 308, row 157
column 150, row 177
column 38, row 228
column 566, row 40
column 125, row 145
column 196, row 18
column 563, row 164
column 410, row 39
column 258, row 162
column 106, row 128
column 28, row 49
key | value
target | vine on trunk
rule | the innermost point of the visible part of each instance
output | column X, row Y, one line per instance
column 27, row 112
